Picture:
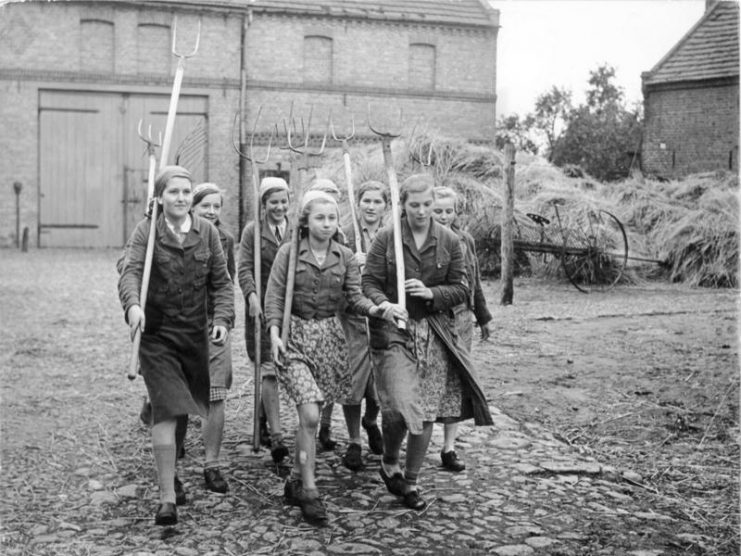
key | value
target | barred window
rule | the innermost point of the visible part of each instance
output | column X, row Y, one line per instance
column 153, row 48
column 97, row 46
column 318, row 53
column 422, row 66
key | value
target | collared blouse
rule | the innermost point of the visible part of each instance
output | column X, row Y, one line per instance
column 320, row 291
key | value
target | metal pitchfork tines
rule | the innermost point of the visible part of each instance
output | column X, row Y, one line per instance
column 386, row 137
column 250, row 154
column 304, row 150
column 416, row 150
column 176, row 87
column 348, row 178
column 151, row 144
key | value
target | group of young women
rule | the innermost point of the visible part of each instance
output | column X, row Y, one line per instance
column 351, row 334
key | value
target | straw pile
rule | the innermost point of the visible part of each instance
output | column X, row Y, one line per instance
column 690, row 226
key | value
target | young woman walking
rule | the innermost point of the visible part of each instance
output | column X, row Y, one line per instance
column 273, row 230
column 189, row 272
column 313, row 365
column 422, row 375
column 445, row 212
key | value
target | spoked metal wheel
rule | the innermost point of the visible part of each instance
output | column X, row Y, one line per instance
column 595, row 251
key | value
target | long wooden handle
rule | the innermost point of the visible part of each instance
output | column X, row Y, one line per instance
column 290, row 283
column 396, row 220
column 134, row 361
column 257, row 258
column 351, row 196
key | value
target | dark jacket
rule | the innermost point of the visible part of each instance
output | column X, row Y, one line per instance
column 476, row 300
column 184, row 278
column 246, row 261
column 438, row 264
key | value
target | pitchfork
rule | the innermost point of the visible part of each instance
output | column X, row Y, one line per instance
column 257, row 250
column 348, row 179
column 151, row 211
column 386, row 137
column 303, row 169
column 169, row 126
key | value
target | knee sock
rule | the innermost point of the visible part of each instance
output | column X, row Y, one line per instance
column 416, row 449
column 371, row 411
column 393, row 435
column 181, row 429
column 164, row 459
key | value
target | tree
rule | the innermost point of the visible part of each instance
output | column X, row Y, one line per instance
column 600, row 135
column 551, row 114
column 510, row 129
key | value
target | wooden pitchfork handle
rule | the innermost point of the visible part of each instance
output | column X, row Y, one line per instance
column 396, row 220
column 169, row 126
column 351, row 196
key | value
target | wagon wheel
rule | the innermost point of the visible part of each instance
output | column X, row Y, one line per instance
column 595, row 251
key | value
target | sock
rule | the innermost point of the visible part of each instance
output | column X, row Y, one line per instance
column 211, row 464
column 164, row 459
column 276, row 438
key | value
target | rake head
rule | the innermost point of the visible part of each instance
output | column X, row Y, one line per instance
column 250, row 155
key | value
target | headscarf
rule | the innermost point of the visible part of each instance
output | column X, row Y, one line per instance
column 314, row 195
column 203, row 190
column 271, row 183
column 166, row 174
column 325, row 185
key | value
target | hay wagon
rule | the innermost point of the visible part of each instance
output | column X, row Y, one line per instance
column 592, row 246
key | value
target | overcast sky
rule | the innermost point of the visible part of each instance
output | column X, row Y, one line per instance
column 557, row 42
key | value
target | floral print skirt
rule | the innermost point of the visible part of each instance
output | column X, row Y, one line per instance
column 316, row 369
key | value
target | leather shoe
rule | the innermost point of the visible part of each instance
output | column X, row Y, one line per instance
column 395, row 484
column 167, row 514
column 451, row 462
column 292, row 492
column 312, row 509
column 414, row 501
column 214, row 481
column 180, row 496
column 352, row 458
column 279, row 452
column 325, row 441
column 375, row 438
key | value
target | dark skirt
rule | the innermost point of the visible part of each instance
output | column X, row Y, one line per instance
column 174, row 365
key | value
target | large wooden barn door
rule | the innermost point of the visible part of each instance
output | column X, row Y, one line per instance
column 93, row 166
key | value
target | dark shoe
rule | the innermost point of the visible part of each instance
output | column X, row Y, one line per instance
column 414, row 501
column 352, row 458
column 279, row 452
column 214, row 481
column 292, row 492
column 312, row 509
column 167, row 514
column 451, row 461
column 145, row 414
column 180, row 496
column 181, row 452
column 375, row 438
column 395, row 484
column 264, row 433
column 325, row 441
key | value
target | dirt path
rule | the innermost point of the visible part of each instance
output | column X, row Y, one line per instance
column 617, row 434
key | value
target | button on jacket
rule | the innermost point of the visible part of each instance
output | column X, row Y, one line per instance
column 438, row 264
column 183, row 278
column 319, row 292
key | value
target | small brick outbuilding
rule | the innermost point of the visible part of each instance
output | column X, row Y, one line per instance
column 691, row 99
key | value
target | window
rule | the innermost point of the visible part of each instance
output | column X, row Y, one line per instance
column 421, row 66
column 317, row 59
column 153, row 48
column 96, row 46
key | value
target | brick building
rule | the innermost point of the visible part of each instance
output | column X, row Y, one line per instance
column 691, row 99
column 77, row 76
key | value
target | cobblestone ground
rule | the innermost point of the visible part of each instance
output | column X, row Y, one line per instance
column 77, row 474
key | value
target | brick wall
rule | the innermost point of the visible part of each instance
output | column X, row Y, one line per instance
column 41, row 47
column 691, row 130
